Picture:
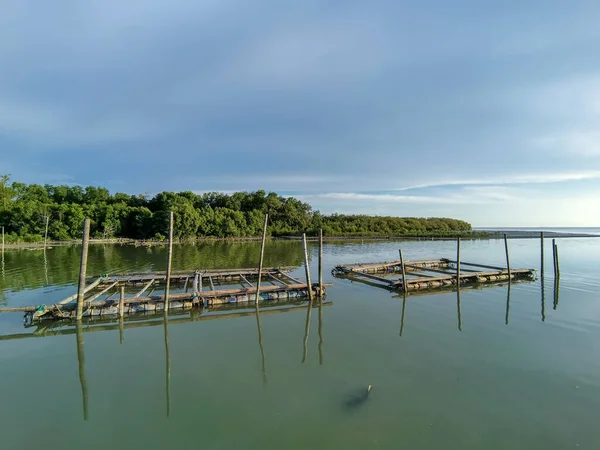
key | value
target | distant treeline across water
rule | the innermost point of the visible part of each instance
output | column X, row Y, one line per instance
column 26, row 209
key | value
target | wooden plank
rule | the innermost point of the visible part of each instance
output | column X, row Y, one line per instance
column 87, row 289
column 292, row 279
column 368, row 275
column 144, row 288
column 277, row 280
column 91, row 299
column 429, row 269
column 243, row 278
column 476, row 265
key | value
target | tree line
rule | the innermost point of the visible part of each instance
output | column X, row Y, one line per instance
column 26, row 209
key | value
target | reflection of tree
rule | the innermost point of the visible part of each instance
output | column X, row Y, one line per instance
column 63, row 261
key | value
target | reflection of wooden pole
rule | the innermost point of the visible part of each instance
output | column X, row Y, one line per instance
column 403, row 308
column 543, row 299
column 306, row 329
column 167, row 363
column 404, row 286
column 306, row 268
column 260, row 260
column 321, row 331
column 81, row 361
column 556, row 262
column 320, row 263
column 554, row 255
column 507, row 304
column 2, row 241
column 458, row 309
column 542, row 253
column 169, row 259
column 260, row 344
column 507, row 257
column 556, row 289
column 83, row 267
column 458, row 263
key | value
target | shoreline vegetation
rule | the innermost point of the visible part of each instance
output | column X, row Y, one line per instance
column 32, row 214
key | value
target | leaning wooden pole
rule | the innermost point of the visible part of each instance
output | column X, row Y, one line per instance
column 320, row 263
column 85, row 239
column 260, row 260
column 169, row 260
column 306, row 268
column 507, row 257
column 458, row 263
column 404, row 286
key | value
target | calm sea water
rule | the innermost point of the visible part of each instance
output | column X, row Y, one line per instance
column 489, row 369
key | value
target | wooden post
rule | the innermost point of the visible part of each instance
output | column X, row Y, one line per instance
column 260, row 260
column 169, row 259
column 122, row 301
column 306, row 268
column 458, row 262
column 542, row 253
column 556, row 263
column 320, row 263
column 46, row 233
column 404, row 286
column 83, row 267
column 507, row 257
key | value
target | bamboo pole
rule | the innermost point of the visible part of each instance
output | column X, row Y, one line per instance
column 121, row 311
column 507, row 257
column 46, row 233
column 260, row 259
column 83, row 267
column 321, row 263
column 458, row 262
column 404, row 285
column 306, row 268
column 81, row 364
column 122, row 301
column 169, row 260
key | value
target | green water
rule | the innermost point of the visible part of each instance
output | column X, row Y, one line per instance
column 489, row 369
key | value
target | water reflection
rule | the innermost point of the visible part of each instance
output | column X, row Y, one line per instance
column 458, row 312
column 543, row 298
column 402, row 318
column 321, row 330
column 81, row 361
column 306, row 329
column 556, row 291
column 507, row 304
column 260, row 344
column 167, row 363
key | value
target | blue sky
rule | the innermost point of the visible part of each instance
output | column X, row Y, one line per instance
column 484, row 111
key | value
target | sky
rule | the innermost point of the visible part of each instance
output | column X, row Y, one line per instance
column 483, row 111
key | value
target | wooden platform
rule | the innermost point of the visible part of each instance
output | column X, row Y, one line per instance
column 428, row 273
column 187, row 289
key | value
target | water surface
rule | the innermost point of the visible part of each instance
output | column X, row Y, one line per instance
column 489, row 368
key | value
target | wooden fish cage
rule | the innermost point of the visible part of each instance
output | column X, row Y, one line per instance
column 128, row 293
column 429, row 274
